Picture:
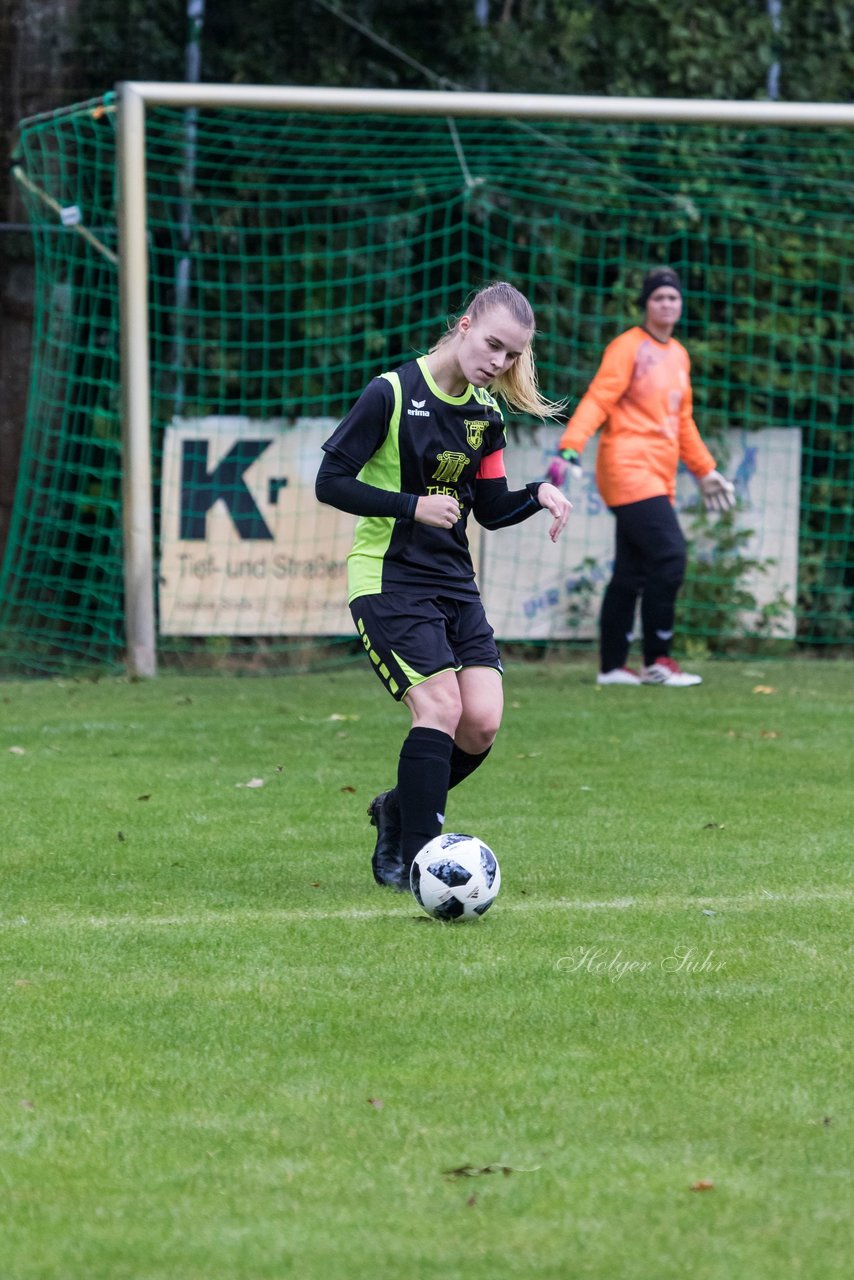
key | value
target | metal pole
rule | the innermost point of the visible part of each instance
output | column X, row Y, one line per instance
column 481, row 17
column 775, row 13
column 193, row 67
column 136, row 394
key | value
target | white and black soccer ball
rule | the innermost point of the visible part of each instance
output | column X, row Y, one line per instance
column 455, row 877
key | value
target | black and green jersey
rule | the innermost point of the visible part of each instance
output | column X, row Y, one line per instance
column 406, row 436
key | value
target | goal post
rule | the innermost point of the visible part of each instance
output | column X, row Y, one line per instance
column 135, row 96
column 137, row 515
column 217, row 264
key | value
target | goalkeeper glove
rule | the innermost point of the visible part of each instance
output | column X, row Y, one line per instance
column 566, row 464
column 718, row 492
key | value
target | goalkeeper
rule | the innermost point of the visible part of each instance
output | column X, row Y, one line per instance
column 641, row 397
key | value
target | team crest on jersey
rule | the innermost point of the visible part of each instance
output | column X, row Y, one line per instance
column 475, row 432
column 450, row 466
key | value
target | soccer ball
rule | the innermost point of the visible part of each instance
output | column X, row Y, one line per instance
column 455, row 877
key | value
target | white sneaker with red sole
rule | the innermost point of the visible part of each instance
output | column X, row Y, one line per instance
column 618, row 675
column 666, row 671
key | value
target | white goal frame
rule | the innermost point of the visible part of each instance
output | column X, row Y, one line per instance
column 133, row 99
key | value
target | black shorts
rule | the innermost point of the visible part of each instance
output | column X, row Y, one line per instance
column 409, row 639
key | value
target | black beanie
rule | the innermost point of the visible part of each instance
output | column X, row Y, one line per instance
column 657, row 279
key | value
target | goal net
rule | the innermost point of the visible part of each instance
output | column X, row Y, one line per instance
column 292, row 255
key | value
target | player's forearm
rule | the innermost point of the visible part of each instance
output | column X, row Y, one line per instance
column 497, row 507
column 693, row 452
column 583, row 424
column 337, row 487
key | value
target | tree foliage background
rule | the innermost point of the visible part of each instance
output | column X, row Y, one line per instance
column 665, row 48
column 734, row 49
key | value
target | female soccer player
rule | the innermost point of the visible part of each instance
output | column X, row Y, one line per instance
column 642, row 394
column 421, row 450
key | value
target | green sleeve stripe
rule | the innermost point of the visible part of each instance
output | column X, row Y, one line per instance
column 373, row 533
column 394, row 381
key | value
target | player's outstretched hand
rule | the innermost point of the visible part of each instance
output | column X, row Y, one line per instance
column 441, row 510
column 558, row 504
column 718, row 492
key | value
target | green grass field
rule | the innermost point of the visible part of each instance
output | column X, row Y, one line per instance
column 227, row 1054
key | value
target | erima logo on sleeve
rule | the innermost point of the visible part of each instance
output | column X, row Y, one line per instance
column 418, row 410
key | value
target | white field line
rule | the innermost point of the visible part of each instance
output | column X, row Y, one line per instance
column 400, row 906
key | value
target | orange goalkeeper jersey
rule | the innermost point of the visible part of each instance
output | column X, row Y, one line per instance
column 642, row 394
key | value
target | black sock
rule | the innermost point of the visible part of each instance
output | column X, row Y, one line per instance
column 463, row 764
column 422, row 787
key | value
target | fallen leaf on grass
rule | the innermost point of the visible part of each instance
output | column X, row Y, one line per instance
column 476, row 1171
column 703, row 1185
column 17, row 751
column 472, row 1201
column 335, row 716
column 770, row 733
column 148, row 797
column 253, row 782
column 713, row 826
column 26, row 1104
column 376, row 1103
column 350, row 790
column 764, row 688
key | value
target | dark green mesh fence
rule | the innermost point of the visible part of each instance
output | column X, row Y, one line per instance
column 295, row 256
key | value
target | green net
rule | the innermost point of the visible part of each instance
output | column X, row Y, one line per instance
column 294, row 256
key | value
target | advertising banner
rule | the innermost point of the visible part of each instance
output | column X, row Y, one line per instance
column 247, row 550
column 245, row 547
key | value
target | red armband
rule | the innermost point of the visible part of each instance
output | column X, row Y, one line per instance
column 492, row 466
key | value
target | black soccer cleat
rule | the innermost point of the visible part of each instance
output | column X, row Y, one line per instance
column 387, row 860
